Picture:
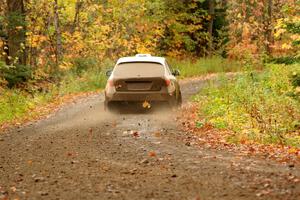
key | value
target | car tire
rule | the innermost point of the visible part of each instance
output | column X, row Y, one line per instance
column 179, row 100
column 173, row 103
column 110, row 107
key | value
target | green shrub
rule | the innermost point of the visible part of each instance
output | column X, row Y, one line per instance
column 90, row 80
column 15, row 75
column 287, row 60
column 83, row 64
column 295, row 79
column 254, row 105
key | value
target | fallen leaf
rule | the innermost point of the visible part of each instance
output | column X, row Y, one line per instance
column 14, row 189
column 146, row 104
column 135, row 134
column 157, row 134
column 152, row 154
column 114, row 124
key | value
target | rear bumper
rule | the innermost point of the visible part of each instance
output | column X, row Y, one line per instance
column 139, row 96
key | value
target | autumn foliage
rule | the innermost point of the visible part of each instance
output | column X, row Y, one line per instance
column 48, row 35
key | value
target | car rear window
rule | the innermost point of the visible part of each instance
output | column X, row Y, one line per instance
column 139, row 69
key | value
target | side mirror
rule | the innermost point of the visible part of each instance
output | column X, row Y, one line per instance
column 108, row 73
column 176, row 72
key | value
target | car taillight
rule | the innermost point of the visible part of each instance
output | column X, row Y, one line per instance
column 111, row 83
column 168, row 82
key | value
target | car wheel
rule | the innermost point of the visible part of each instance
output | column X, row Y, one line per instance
column 176, row 102
column 179, row 100
column 110, row 106
column 173, row 102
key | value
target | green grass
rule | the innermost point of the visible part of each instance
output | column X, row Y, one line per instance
column 90, row 80
column 202, row 66
column 16, row 104
column 260, row 106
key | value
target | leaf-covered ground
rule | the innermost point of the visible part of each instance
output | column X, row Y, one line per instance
column 211, row 137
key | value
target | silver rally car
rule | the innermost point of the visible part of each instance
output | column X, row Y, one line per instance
column 142, row 79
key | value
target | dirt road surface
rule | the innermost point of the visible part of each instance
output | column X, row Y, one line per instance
column 82, row 152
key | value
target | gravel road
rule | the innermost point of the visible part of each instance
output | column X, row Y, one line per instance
column 82, row 152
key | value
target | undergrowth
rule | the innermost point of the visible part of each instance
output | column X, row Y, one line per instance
column 17, row 104
column 190, row 68
column 262, row 107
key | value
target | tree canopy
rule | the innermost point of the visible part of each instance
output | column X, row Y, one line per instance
column 48, row 35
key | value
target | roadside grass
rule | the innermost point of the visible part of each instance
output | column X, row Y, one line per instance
column 91, row 80
column 262, row 107
column 203, row 66
column 18, row 105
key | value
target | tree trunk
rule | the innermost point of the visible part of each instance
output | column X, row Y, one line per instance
column 16, row 37
column 58, row 48
column 211, row 13
column 269, row 32
column 78, row 6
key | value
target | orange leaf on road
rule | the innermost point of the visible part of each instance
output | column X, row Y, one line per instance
column 152, row 154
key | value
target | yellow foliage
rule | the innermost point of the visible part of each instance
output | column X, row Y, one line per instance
column 279, row 32
column 65, row 66
column 286, row 46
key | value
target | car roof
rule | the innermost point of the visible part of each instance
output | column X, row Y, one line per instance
column 142, row 58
